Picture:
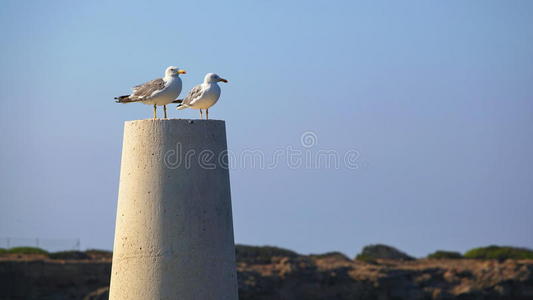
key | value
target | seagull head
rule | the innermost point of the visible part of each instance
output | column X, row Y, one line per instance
column 212, row 77
column 174, row 71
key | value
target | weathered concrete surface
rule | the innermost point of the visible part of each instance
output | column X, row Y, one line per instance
column 174, row 230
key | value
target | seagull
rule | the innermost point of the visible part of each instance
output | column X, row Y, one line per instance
column 160, row 91
column 204, row 95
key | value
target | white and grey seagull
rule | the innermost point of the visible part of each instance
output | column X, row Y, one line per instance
column 160, row 91
column 204, row 95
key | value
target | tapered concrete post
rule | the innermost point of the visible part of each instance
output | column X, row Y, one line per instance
column 174, row 229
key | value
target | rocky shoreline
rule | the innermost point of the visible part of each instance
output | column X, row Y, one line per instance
column 287, row 275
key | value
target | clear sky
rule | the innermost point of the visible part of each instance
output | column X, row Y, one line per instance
column 436, row 97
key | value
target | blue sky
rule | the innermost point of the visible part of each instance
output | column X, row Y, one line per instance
column 435, row 96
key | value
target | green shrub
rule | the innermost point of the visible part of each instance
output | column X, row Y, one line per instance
column 99, row 254
column 2, row 250
column 380, row 251
column 69, row 255
column 334, row 254
column 27, row 250
column 366, row 258
column 262, row 254
column 499, row 252
column 441, row 254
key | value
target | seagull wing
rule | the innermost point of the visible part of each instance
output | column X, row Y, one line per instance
column 194, row 94
column 147, row 89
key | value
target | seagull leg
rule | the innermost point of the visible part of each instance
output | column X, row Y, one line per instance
column 165, row 110
column 155, row 112
column 200, row 113
column 207, row 113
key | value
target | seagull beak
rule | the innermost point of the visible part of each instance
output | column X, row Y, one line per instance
column 223, row 80
column 182, row 72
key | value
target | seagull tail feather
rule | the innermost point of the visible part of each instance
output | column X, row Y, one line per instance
column 182, row 106
column 125, row 99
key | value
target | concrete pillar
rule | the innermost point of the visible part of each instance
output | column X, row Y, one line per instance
column 174, row 228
